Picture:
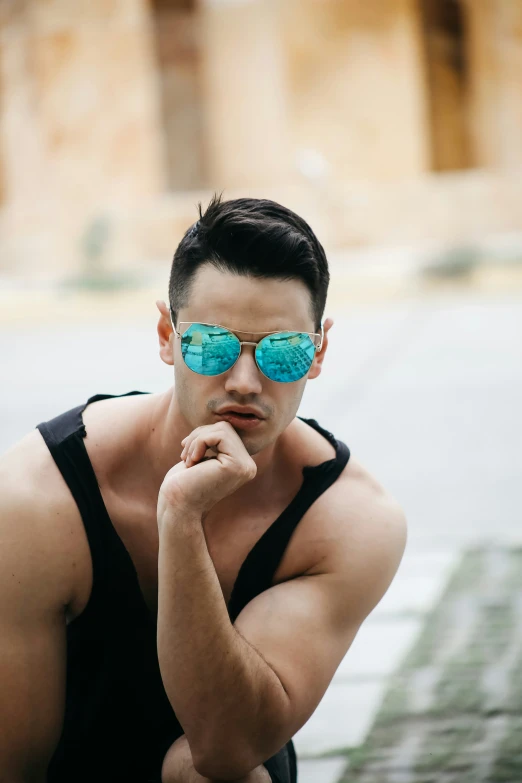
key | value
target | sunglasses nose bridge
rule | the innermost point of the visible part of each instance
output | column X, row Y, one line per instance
column 253, row 353
column 244, row 378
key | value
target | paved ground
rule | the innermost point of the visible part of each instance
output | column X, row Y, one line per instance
column 425, row 391
column 453, row 711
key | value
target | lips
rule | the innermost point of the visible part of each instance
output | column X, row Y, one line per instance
column 241, row 422
column 242, row 412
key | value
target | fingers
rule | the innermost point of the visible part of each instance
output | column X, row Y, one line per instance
column 221, row 436
column 191, row 450
column 189, row 441
column 196, row 450
column 222, row 442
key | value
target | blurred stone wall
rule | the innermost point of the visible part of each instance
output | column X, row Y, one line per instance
column 495, row 99
column 177, row 39
column 359, row 113
column 80, row 128
column 356, row 86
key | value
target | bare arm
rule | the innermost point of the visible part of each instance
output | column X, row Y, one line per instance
column 33, row 595
column 211, row 674
column 242, row 691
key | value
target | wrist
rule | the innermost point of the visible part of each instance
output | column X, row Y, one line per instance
column 179, row 520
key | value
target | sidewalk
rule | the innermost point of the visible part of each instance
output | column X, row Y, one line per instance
column 338, row 728
column 453, row 711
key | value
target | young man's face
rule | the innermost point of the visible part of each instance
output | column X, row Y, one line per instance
column 250, row 305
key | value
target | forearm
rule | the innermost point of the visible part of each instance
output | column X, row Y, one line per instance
column 224, row 694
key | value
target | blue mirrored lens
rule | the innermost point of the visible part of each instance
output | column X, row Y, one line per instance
column 286, row 356
column 212, row 350
column 209, row 350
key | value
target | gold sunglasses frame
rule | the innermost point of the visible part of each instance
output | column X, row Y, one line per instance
column 248, row 342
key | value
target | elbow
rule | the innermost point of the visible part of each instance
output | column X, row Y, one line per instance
column 225, row 764
column 215, row 768
column 234, row 751
column 233, row 763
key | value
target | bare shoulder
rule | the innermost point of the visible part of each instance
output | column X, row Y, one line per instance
column 357, row 532
column 362, row 509
column 40, row 517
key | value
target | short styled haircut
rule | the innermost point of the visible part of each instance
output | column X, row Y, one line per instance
column 251, row 237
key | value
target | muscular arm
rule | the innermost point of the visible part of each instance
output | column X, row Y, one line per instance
column 219, row 685
column 33, row 594
column 241, row 692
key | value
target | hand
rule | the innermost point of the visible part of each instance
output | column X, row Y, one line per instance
column 214, row 464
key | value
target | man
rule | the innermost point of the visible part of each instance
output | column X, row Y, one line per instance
column 181, row 573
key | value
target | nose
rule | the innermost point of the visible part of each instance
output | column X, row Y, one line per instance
column 244, row 377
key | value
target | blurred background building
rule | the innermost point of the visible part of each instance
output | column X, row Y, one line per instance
column 381, row 121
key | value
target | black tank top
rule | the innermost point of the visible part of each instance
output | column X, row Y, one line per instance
column 118, row 722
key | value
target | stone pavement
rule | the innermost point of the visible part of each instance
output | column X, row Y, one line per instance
column 453, row 710
column 342, row 720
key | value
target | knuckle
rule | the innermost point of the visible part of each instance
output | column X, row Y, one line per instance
column 250, row 469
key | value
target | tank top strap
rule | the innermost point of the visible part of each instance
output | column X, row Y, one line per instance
column 64, row 436
column 257, row 572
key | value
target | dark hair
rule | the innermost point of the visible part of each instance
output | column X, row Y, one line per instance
column 253, row 237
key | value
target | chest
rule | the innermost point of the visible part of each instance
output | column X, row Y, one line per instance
column 228, row 540
column 232, row 528
column 230, row 534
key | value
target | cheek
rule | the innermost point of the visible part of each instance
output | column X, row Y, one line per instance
column 294, row 400
column 194, row 392
column 286, row 400
column 186, row 393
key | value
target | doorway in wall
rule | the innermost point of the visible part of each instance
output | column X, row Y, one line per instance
column 178, row 49
column 444, row 37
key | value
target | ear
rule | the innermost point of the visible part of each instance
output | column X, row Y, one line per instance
column 315, row 369
column 165, row 334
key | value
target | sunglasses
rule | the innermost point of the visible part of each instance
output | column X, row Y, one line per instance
column 283, row 357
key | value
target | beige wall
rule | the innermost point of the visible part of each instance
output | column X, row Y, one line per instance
column 80, row 126
column 80, row 99
column 177, row 28
column 107, row 105
column 245, row 94
column 441, row 208
column 495, row 56
column 356, row 85
column 447, row 78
